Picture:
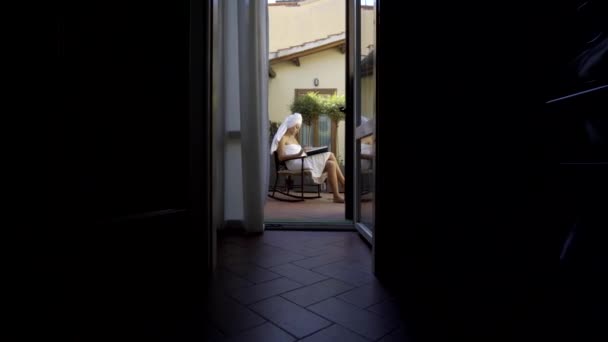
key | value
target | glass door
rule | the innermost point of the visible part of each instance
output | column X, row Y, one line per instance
column 362, row 72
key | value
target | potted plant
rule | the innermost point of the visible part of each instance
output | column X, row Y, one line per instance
column 312, row 105
column 332, row 106
column 309, row 105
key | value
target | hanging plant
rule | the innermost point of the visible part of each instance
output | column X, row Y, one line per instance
column 331, row 106
column 312, row 105
column 308, row 105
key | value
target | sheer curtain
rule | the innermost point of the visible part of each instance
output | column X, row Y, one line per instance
column 240, row 112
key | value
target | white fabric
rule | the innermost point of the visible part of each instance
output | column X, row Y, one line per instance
column 240, row 66
column 315, row 163
column 290, row 121
column 253, row 77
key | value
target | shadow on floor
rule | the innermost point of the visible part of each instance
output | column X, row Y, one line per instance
column 300, row 285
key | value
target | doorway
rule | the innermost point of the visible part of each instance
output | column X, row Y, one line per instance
column 319, row 60
column 307, row 64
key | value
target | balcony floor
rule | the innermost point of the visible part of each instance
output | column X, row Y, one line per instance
column 320, row 209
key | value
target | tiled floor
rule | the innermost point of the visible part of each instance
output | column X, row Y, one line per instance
column 312, row 209
column 299, row 286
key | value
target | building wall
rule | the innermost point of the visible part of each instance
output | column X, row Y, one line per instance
column 314, row 19
column 311, row 20
column 328, row 66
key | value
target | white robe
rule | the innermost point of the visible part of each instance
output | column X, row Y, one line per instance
column 315, row 163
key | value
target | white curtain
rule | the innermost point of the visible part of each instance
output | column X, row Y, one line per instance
column 241, row 107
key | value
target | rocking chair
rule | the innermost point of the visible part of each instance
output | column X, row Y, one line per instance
column 282, row 170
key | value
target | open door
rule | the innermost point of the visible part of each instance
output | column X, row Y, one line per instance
column 361, row 116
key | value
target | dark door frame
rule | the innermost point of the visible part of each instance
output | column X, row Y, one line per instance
column 200, row 128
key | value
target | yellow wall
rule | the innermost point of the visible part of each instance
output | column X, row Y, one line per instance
column 327, row 66
column 313, row 19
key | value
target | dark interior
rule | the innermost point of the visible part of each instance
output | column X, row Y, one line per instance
column 489, row 195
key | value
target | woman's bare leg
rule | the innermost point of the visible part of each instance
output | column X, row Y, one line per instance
column 332, row 157
column 332, row 174
column 340, row 175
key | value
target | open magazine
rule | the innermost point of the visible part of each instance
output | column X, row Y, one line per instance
column 316, row 150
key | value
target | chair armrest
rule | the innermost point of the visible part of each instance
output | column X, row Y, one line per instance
column 296, row 157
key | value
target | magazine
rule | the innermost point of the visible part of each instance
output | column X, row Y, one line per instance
column 316, row 150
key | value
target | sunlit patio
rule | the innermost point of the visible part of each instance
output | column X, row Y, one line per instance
column 319, row 209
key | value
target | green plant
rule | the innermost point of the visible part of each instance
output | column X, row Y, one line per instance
column 312, row 105
column 331, row 106
column 308, row 105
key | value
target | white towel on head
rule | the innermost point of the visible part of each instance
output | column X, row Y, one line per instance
column 290, row 121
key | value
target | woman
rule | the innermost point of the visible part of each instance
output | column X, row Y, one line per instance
column 287, row 146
